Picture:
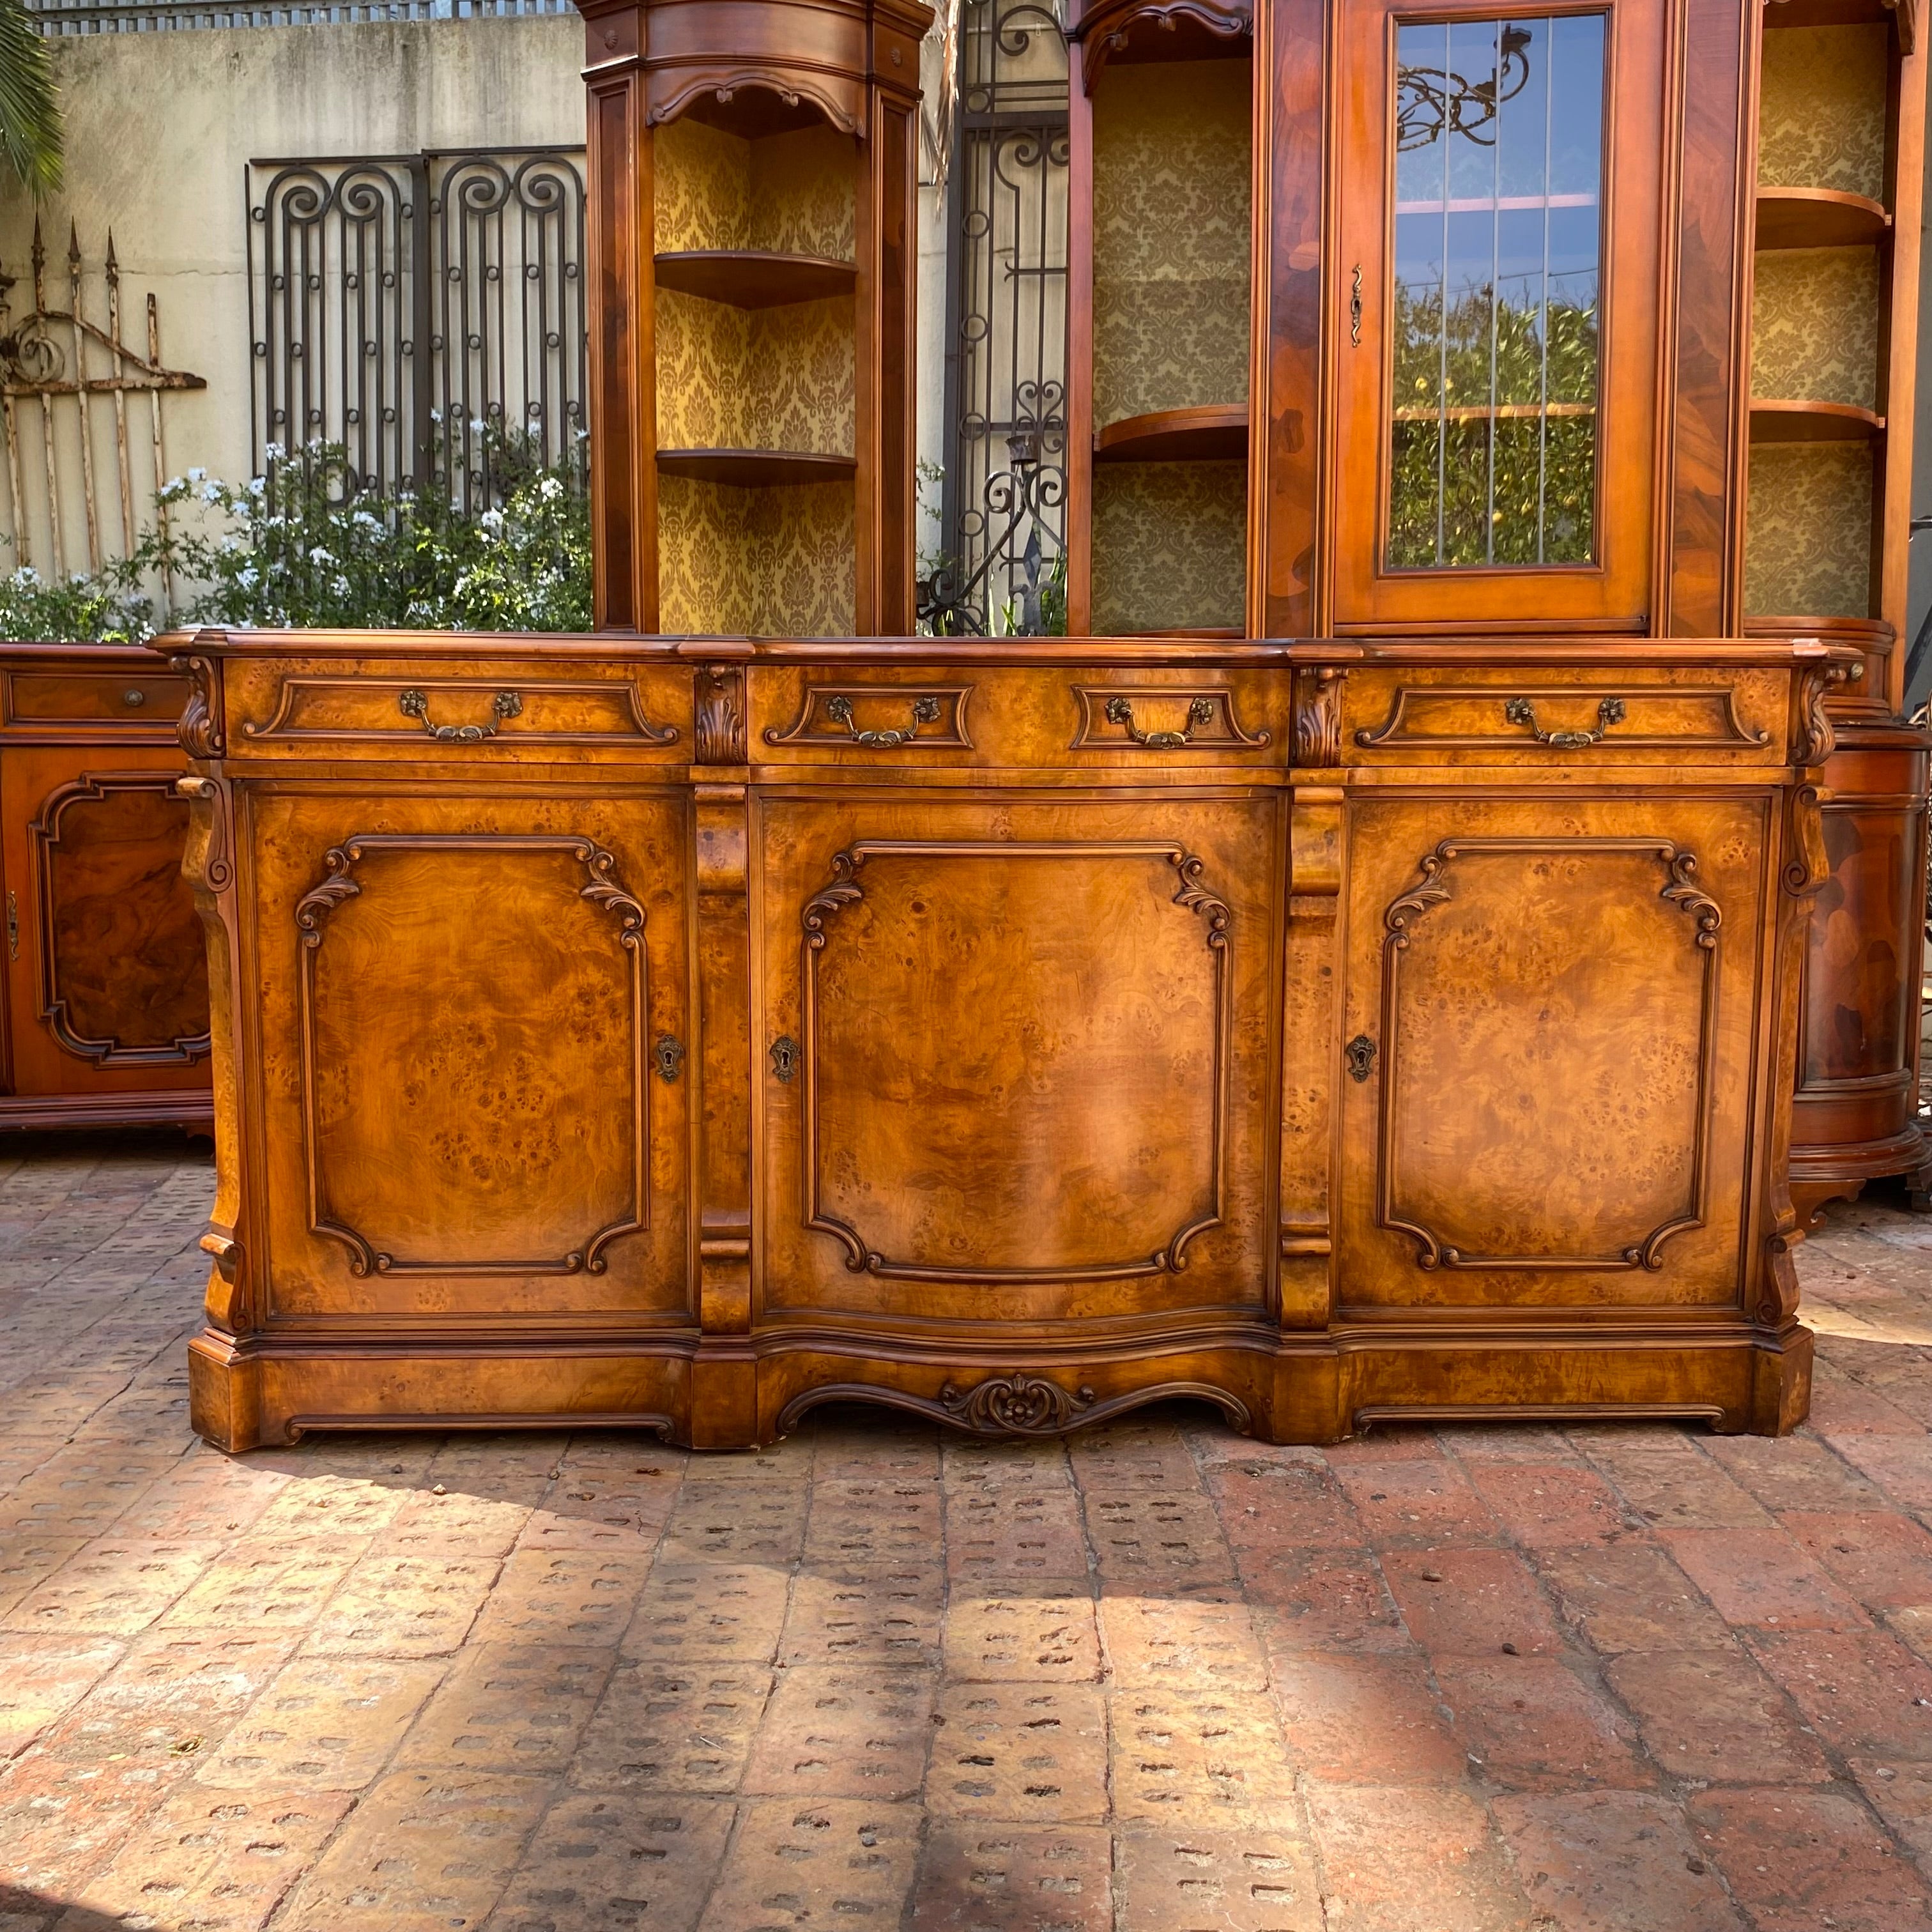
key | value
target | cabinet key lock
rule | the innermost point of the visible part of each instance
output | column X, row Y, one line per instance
column 13, row 927
column 1360, row 1053
column 670, row 1056
column 784, row 1051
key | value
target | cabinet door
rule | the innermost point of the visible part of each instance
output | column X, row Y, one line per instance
column 1497, row 347
column 462, row 999
column 107, row 972
column 1550, row 1028
column 1021, row 1057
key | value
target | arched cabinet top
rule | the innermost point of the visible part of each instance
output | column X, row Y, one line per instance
column 756, row 67
column 1108, row 29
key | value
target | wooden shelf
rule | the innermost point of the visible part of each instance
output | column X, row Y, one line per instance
column 1214, row 433
column 1797, row 421
column 754, row 278
column 1846, row 14
column 755, row 469
column 1818, row 217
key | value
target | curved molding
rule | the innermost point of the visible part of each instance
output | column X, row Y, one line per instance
column 1212, row 722
column 43, row 839
column 724, row 84
column 1104, row 29
column 843, row 889
column 1015, row 1405
column 199, row 727
column 1680, row 889
column 313, row 913
column 1816, row 739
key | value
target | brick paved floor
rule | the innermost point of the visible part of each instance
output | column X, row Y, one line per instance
column 1158, row 1679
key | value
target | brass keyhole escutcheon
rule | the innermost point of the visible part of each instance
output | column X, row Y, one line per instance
column 785, row 1058
column 670, row 1056
column 1360, row 1053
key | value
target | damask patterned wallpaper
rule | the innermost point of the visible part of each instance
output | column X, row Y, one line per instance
column 1808, row 532
column 792, row 194
column 769, row 562
column 1814, row 326
column 755, row 379
column 1170, row 547
column 1821, row 111
column 1172, row 195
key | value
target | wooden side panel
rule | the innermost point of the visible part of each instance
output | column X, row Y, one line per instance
column 463, row 1113
column 106, row 985
column 1552, row 1058
column 1716, row 180
column 623, row 393
column 1085, row 1136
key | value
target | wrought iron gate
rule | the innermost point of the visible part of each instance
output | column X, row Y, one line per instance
column 1002, row 505
column 398, row 303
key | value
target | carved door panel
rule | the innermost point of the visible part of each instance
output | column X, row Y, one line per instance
column 106, row 972
column 471, row 1033
column 1547, row 1080
column 1015, row 1058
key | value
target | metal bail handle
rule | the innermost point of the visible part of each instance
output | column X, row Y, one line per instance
column 416, row 704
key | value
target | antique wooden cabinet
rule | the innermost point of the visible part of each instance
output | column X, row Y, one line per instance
column 1012, row 1032
column 105, row 995
column 1368, row 968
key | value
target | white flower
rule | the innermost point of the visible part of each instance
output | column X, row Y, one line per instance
column 320, row 557
column 550, row 489
column 211, row 492
column 477, row 425
column 258, row 486
column 341, row 587
column 492, row 520
column 248, row 578
column 274, row 452
column 197, row 475
column 26, row 577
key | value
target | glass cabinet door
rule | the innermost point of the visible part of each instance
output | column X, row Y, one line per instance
column 1500, row 316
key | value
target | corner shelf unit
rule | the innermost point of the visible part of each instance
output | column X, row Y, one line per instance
column 1826, row 502
column 751, row 425
column 1159, row 317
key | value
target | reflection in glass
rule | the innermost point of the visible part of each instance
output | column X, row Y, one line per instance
column 1498, row 226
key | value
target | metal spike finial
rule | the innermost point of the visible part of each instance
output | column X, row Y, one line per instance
column 73, row 248
column 113, row 266
column 39, row 261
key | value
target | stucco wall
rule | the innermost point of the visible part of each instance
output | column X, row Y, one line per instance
column 161, row 128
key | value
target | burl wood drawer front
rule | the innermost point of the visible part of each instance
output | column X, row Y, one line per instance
column 472, row 1101
column 1014, row 1059
column 1547, row 1076
column 151, row 698
column 1641, row 715
column 442, row 710
column 1155, row 720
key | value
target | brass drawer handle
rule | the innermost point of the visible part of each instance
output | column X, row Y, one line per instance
column 1199, row 713
column 925, row 711
column 415, row 704
column 1520, row 711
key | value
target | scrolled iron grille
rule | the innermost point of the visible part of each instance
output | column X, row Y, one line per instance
column 398, row 303
column 1002, row 510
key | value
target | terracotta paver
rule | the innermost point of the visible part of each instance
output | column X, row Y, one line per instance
column 1154, row 1678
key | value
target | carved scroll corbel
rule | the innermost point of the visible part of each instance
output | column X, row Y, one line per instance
column 718, row 718
column 1808, row 865
column 199, row 727
column 1815, row 740
column 1318, row 716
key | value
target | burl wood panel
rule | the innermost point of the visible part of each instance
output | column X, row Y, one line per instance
column 1080, row 1135
column 462, row 1115
column 1558, row 1002
column 106, row 982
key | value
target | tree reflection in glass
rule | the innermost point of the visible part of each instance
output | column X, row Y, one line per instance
column 1498, row 225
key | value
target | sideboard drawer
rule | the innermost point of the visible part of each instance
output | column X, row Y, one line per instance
column 134, row 697
column 1585, row 717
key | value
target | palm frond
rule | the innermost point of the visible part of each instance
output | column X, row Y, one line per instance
column 30, row 114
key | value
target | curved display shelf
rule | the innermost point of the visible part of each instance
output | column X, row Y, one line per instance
column 1846, row 14
column 1805, row 421
column 1212, row 433
column 753, row 469
column 754, row 278
column 1818, row 217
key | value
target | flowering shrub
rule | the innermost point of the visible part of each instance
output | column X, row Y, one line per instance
column 305, row 545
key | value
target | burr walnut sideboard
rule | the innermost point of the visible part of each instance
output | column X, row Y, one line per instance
column 680, row 1034
column 103, row 993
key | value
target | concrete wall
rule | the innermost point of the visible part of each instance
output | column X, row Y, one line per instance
column 161, row 129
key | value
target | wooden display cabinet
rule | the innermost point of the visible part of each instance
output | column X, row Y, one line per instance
column 106, row 988
column 1160, row 174
column 752, row 369
column 1834, row 287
